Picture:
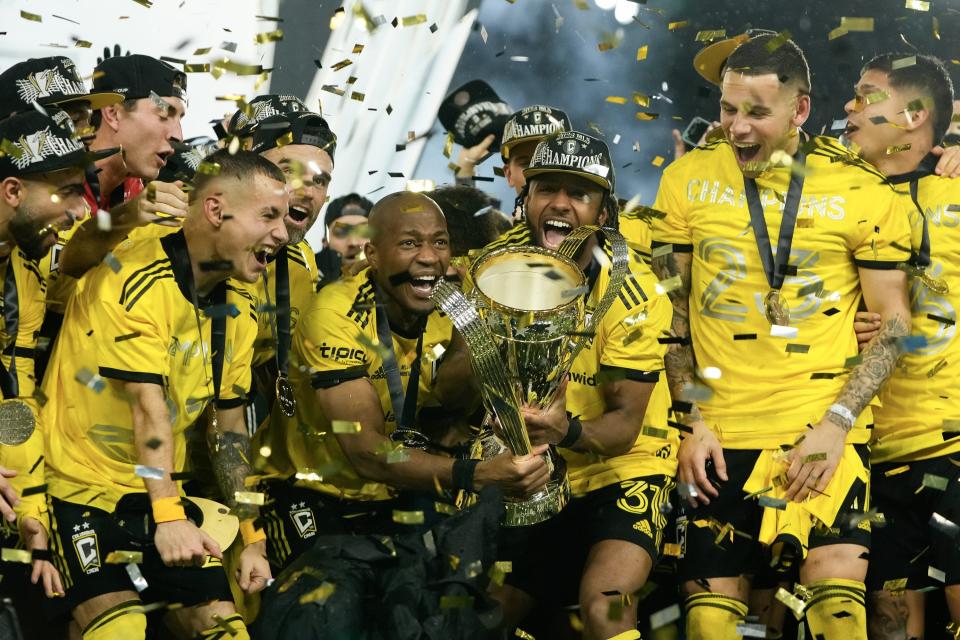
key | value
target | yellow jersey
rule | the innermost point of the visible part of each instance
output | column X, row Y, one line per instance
column 134, row 321
column 335, row 342
column 303, row 277
column 919, row 416
column 766, row 384
column 627, row 344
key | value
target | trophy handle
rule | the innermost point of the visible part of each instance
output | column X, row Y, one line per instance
column 499, row 394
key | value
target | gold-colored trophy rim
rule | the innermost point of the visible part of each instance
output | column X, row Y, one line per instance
column 484, row 261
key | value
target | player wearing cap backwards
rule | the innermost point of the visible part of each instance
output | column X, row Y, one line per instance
column 771, row 407
column 368, row 356
column 51, row 82
column 613, row 433
column 346, row 235
column 151, row 339
column 302, row 145
column 41, row 192
column 913, row 477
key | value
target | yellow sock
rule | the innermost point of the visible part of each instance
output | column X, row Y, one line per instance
column 125, row 620
column 837, row 609
column 714, row 616
column 229, row 628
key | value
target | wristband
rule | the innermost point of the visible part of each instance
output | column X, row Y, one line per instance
column 249, row 532
column 844, row 414
column 463, row 471
column 574, row 429
column 168, row 510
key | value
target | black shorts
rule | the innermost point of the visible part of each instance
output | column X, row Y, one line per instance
column 548, row 558
column 294, row 516
column 702, row 557
column 81, row 539
column 908, row 546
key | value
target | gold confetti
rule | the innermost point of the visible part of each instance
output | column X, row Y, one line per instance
column 655, row 432
column 320, row 594
column 209, row 168
column 15, row 555
column 856, row 24
column 196, row 68
column 456, row 602
column 895, row 586
column 709, row 36
column 269, row 36
column 248, row 497
column 672, row 550
column 444, row 508
column 897, row 471
column 520, row 633
column 917, row 5
column 934, row 482
column 407, row 517
column 647, row 116
column 410, row 21
column 657, row 161
column 642, row 52
column 901, row 63
column 202, row 51
column 778, row 41
column 124, row 557
column 345, row 426
column 836, row 33
column 642, row 100
column 678, row 25
column 342, row 64
column 791, row 601
column 876, row 96
column 897, row 148
column 617, row 99
column 83, row 44
column 32, row 17
column 936, row 27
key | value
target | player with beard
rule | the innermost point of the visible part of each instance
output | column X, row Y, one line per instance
column 610, row 425
column 343, row 468
column 41, row 193
column 346, row 225
column 759, row 369
column 302, row 145
column 115, row 447
column 909, row 109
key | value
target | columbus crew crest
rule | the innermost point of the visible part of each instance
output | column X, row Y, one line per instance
column 88, row 551
column 303, row 520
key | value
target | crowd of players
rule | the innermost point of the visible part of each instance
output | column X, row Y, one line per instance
column 766, row 408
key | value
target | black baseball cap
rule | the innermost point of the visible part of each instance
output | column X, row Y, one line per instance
column 137, row 76
column 472, row 112
column 186, row 158
column 294, row 128
column 32, row 142
column 245, row 120
column 352, row 204
column 532, row 124
column 575, row 153
column 50, row 81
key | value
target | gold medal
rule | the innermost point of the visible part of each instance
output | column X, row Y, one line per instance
column 938, row 285
column 16, row 422
column 775, row 308
column 285, row 398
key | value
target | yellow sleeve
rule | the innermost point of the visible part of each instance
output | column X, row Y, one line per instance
column 130, row 345
column 237, row 373
column 631, row 345
column 672, row 228
column 332, row 347
column 883, row 239
column 27, row 460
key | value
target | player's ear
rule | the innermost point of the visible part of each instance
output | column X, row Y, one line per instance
column 213, row 209
column 11, row 191
column 110, row 116
column 370, row 253
column 803, row 110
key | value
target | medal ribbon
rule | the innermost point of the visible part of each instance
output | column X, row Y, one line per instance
column 404, row 404
column 776, row 269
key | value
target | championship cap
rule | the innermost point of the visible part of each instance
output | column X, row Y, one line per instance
column 32, row 142
column 186, row 158
column 50, row 81
column 710, row 61
column 472, row 112
column 294, row 128
column 137, row 76
column 575, row 153
column 243, row 122
column 532, row 124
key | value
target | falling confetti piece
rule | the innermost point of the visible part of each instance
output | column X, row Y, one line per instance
column 124, row 557
column 344, row 426
column 32, row 17
column 678, row 25
column 248, row 497
column 709, row 36
column 410, row 21
column 642, row 52
column 856, row 24
column 917, row 5
column 657, row 161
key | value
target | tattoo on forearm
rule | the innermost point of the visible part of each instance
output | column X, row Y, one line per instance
column 231, row 466
column 679, row 359
column 878, row 359
column 888, row 617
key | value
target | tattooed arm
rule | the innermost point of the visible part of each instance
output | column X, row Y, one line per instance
column 701, row 444
column 885, row 292
column 229, row 444
column 890, row 617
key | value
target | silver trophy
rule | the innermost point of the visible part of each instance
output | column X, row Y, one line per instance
column 525, row 321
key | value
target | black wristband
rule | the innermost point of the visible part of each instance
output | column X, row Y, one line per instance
column 574, row 429
column 463, row 471
column 41, row 554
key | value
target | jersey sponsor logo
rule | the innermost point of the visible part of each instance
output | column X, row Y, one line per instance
column 88, row 551
column 342, row 353
column 943, row 215
column 716, row 192
column 303, row 520
column 582, row 378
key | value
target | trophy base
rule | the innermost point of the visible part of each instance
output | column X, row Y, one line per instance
column 543, row 505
